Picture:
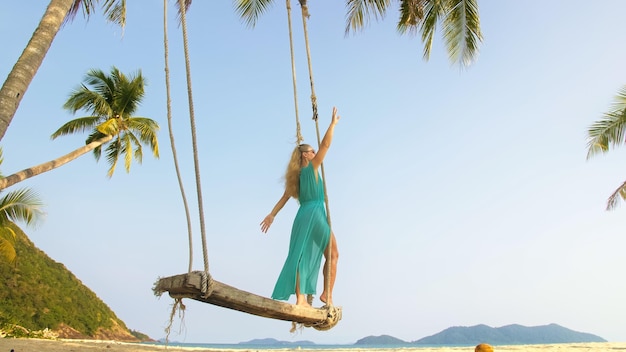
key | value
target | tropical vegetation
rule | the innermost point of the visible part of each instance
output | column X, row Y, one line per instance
column 57, row 13
column 39, row 293
column 610, row 132
column 112, row 100
column 22, row 205
column 459, row 19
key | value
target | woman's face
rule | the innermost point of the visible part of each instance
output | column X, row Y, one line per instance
column 308, row 154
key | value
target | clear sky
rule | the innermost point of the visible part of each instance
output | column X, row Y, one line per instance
column 458, row 197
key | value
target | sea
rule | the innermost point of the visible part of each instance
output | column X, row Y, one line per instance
column 295, row 346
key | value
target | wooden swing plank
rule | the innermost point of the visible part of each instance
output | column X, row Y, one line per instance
column 190, row 285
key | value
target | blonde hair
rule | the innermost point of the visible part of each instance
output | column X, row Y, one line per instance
column 292, row 175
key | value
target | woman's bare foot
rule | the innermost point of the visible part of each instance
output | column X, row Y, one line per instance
column 301, row 301
column 325, row 300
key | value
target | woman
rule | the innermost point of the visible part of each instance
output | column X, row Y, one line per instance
column 310, row 235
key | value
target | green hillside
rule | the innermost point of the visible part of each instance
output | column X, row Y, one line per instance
column 38, row 293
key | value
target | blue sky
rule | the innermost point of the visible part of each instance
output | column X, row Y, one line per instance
column 458, row 197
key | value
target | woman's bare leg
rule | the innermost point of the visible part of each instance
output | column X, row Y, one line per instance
column 300, row 298
column 329, row 276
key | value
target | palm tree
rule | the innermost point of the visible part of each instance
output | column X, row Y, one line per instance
column 460, row 20
column 112, row 102
column 57, row 13
column 610, row 131
column 21, row 205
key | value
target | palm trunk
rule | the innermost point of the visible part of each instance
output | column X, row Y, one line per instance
column 52, row 164
column 26, row 67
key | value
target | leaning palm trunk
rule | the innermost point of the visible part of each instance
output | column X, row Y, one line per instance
column 26, row 67
column 52, row 164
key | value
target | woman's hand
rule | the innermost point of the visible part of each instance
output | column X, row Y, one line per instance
column 335, row 117
column 266, row 223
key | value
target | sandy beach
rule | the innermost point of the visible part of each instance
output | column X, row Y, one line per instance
column 35, row 345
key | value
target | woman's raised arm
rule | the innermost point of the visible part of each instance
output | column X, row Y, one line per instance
column 326, row 141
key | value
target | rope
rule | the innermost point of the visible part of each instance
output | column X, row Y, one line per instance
column 178, row 301
column 207, row 285
column 299, row 137
column 305, row 16
column 179, row 307
column 192, row 121
column 332, row 318
column 170, row 129
column 333, row 315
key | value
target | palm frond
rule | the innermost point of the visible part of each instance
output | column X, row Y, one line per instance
column 113, row 152
column 82, row 98
column 86, row 5
column 129, row 94
column 104, row 88
column 613, row 200
column 411, row 15
column 97, row 153
column 94, row 135
column 147, row 130
column 115, row 10
column 360, row 11
column 251, row 10
column 187, row 5
column 607, row 132
column 138, row 154
column 619, row 101
column 434, row 10
column 129, row 140
column 7, row 244
column 20, row 205
column 81, row 124
column 101, row 82
column 461, row 31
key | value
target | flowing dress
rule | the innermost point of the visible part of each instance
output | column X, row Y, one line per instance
column 309, row 236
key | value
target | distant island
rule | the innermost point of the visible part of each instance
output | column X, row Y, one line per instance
column 506, row 335
column 381, row 340
column 274, row 342
column 466, row 336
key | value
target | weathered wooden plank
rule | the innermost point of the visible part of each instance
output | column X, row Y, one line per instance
column 189, row 285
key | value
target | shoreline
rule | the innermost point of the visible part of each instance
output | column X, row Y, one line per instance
column 67, row 345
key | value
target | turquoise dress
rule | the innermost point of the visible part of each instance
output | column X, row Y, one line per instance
column 309, row 236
